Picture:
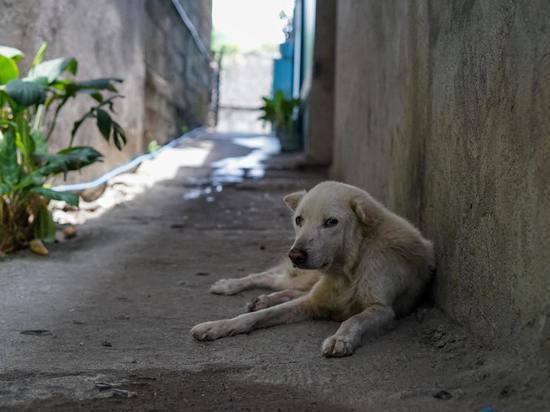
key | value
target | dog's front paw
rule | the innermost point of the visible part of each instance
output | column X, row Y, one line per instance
column 338, row 346
column 259, row 303
column 226, row 287
column 209, row 330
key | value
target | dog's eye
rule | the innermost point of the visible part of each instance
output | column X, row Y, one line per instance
column 299, row 220
column 330, row 222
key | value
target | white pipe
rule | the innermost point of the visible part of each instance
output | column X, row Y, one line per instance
column 128, row 166
column 192, row 30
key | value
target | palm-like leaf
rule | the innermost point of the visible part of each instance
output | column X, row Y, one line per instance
column 53, row 69
column 69, row 197
column 72, row 158
column 26, row 93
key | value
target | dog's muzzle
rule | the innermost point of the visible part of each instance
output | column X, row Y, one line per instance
column 298, row 256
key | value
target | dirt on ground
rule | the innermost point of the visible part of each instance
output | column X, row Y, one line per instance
column 103, row 323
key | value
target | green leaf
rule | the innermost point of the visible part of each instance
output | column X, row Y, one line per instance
column 104, row 123
column 40, row 143
column 98, row 97
column 43, row 81
column 70, row 87
column 12, row 53
column 279, row 110
column 53, row 69
column 99, row 84
column 80, row 156
column 8, row 70
column 39, row 56
column 69, row 197
column 119, row 136
column 9, row 168
column 69, row 159
column 62, row 85
column 23, row 139
column 153, row 147
column 43, row 225
column 34, row 179
column 4, row 188
column 79, row 123
column 26, row 93
column 3, row 98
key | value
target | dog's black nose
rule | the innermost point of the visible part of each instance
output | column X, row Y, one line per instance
column 298, row 256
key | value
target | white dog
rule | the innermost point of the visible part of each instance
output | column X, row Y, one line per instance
column 353, row 261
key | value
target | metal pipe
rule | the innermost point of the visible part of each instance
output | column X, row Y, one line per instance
column 77, row 187
column 205, row 51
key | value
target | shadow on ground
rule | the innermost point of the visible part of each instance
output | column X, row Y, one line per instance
column 161, row 390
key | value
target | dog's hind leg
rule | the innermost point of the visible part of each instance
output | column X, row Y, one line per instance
column 277, row 278
column 349, row 334
column 272, row 299
column 293, row 311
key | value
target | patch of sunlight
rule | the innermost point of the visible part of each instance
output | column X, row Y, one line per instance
column 267, row 143
column 166, row 164
column 235, row 169
column 127, row 186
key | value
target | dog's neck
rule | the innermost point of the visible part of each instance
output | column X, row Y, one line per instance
column 345, row 263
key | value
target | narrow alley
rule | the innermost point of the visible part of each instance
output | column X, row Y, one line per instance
column 105, row 320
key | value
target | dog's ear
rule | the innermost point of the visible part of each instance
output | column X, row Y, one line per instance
column 292, row 200
column 360, row 206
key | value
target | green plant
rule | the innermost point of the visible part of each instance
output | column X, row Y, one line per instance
column 29, row 109
column 279, row 111
column 153, row 146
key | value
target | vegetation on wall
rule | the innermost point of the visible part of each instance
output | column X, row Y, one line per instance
column 29, row 110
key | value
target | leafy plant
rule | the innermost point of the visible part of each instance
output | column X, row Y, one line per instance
column 29, row 109
column 279, row 111
column 153, row 146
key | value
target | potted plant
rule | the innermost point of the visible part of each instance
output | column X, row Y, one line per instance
column 29, row 108
column 279, row 111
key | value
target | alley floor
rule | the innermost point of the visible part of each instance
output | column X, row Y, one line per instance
column 103, row 322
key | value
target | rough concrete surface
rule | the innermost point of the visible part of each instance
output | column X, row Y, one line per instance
column 103, row 323
column 319, row 141
column 444, row 105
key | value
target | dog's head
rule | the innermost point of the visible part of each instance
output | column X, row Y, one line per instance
column 327, row 221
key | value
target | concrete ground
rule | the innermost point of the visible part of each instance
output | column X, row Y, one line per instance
column 103, row 322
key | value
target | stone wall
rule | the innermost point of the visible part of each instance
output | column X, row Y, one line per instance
column 443, row 112
column 177, row 77
column 166, row 79
column 244, row 79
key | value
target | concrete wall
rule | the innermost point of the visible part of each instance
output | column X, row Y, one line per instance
column 443, row 112
column 166, row 80
column 319, row 141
